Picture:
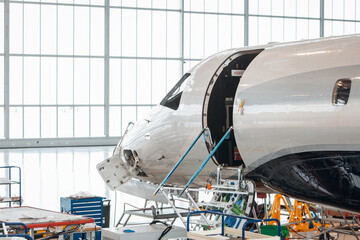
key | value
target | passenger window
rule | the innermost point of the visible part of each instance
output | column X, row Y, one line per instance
column 172, row 99
column 341, row 92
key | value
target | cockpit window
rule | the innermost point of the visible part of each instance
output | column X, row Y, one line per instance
column 172, row 99
column 341, row 92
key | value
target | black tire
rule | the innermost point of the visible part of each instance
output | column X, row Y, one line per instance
column 322, row 236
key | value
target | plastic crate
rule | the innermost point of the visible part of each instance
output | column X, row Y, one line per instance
column 272, row 230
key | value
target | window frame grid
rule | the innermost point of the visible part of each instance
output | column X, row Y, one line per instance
column 107, row 57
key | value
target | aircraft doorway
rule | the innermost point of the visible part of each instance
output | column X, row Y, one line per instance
column 218, row 106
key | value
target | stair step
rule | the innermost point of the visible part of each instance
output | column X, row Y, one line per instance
column 217, row 204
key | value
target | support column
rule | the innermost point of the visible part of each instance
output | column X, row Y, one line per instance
column 106, row 68
column 6, row 69
column 322, row 16
column 246, row 22
column 182, row 37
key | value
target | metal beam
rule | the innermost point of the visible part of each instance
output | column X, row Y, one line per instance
column 182, row 37
column 106, row 67
column 246, row 22
column 59, row 142
column 322, row 17
column 6, row 69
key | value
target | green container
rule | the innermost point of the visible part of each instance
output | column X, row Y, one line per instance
column 272, row 230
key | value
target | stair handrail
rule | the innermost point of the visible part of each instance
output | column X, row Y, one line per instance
column 180, row 160
column 227, row 134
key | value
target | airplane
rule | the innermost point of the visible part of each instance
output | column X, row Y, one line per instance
column 295, row 113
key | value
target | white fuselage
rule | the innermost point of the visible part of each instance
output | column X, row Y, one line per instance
column 286, row 93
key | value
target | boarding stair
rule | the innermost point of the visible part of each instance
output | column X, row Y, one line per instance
column 227, row 194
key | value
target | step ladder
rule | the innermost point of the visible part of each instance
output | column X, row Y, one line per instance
column 234, row 188
column 203, row 131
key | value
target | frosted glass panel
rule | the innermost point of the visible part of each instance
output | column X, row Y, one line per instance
column 32, row 28
column 211, row 5
column 211, row 34
column 159, row 3
column 314, row 8
column 253, row 31
column 115, row 121
column 290, row 8
column 1, row 28
column 48, row 80
column 31, row 80
column 338, row 9
column 97, row 121
column 16, row 26
column 144, row 82
column 158, row 80
column 128, row 81
column 16, row 122
column 81, row 81
column 173, row 34
column 289, row 30
column 142, row 112
column 277, row 33
column 81, row 31
column 16, row 80
column 226, row 31
column 48, row 29
column 65, row 81
column 48, row 122
column 173, row 71
column 302, row 27
column 115, row 81
column 237, row 31
column 65, row 30
column 302, row 8
column 174, row 4
column 31, row 122
column 128, row 37
column 65, row 122
column 115, row 32
column 237, row 6
column 225, row 6
column 1, row 80
column 81, row 122
column 128, row 115
column 1, row 122
column 277, row 7
column 264, row 7
column 97, row 31
column 159, row 34
column 197, row 35
column 144, row 33
column 96, row 81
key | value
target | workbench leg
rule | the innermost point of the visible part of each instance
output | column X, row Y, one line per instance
column 127, row 220
column 118, row 223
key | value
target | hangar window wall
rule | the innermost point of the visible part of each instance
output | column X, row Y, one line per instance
column 82, row 69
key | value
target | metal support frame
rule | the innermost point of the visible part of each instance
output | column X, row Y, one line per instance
column 6, row 68
column 246, row 22
column 106, row 67
column 322, row 16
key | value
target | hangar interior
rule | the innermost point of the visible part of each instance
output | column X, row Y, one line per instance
column 74, row 73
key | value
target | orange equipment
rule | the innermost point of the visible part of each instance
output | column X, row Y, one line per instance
column 300, row 215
